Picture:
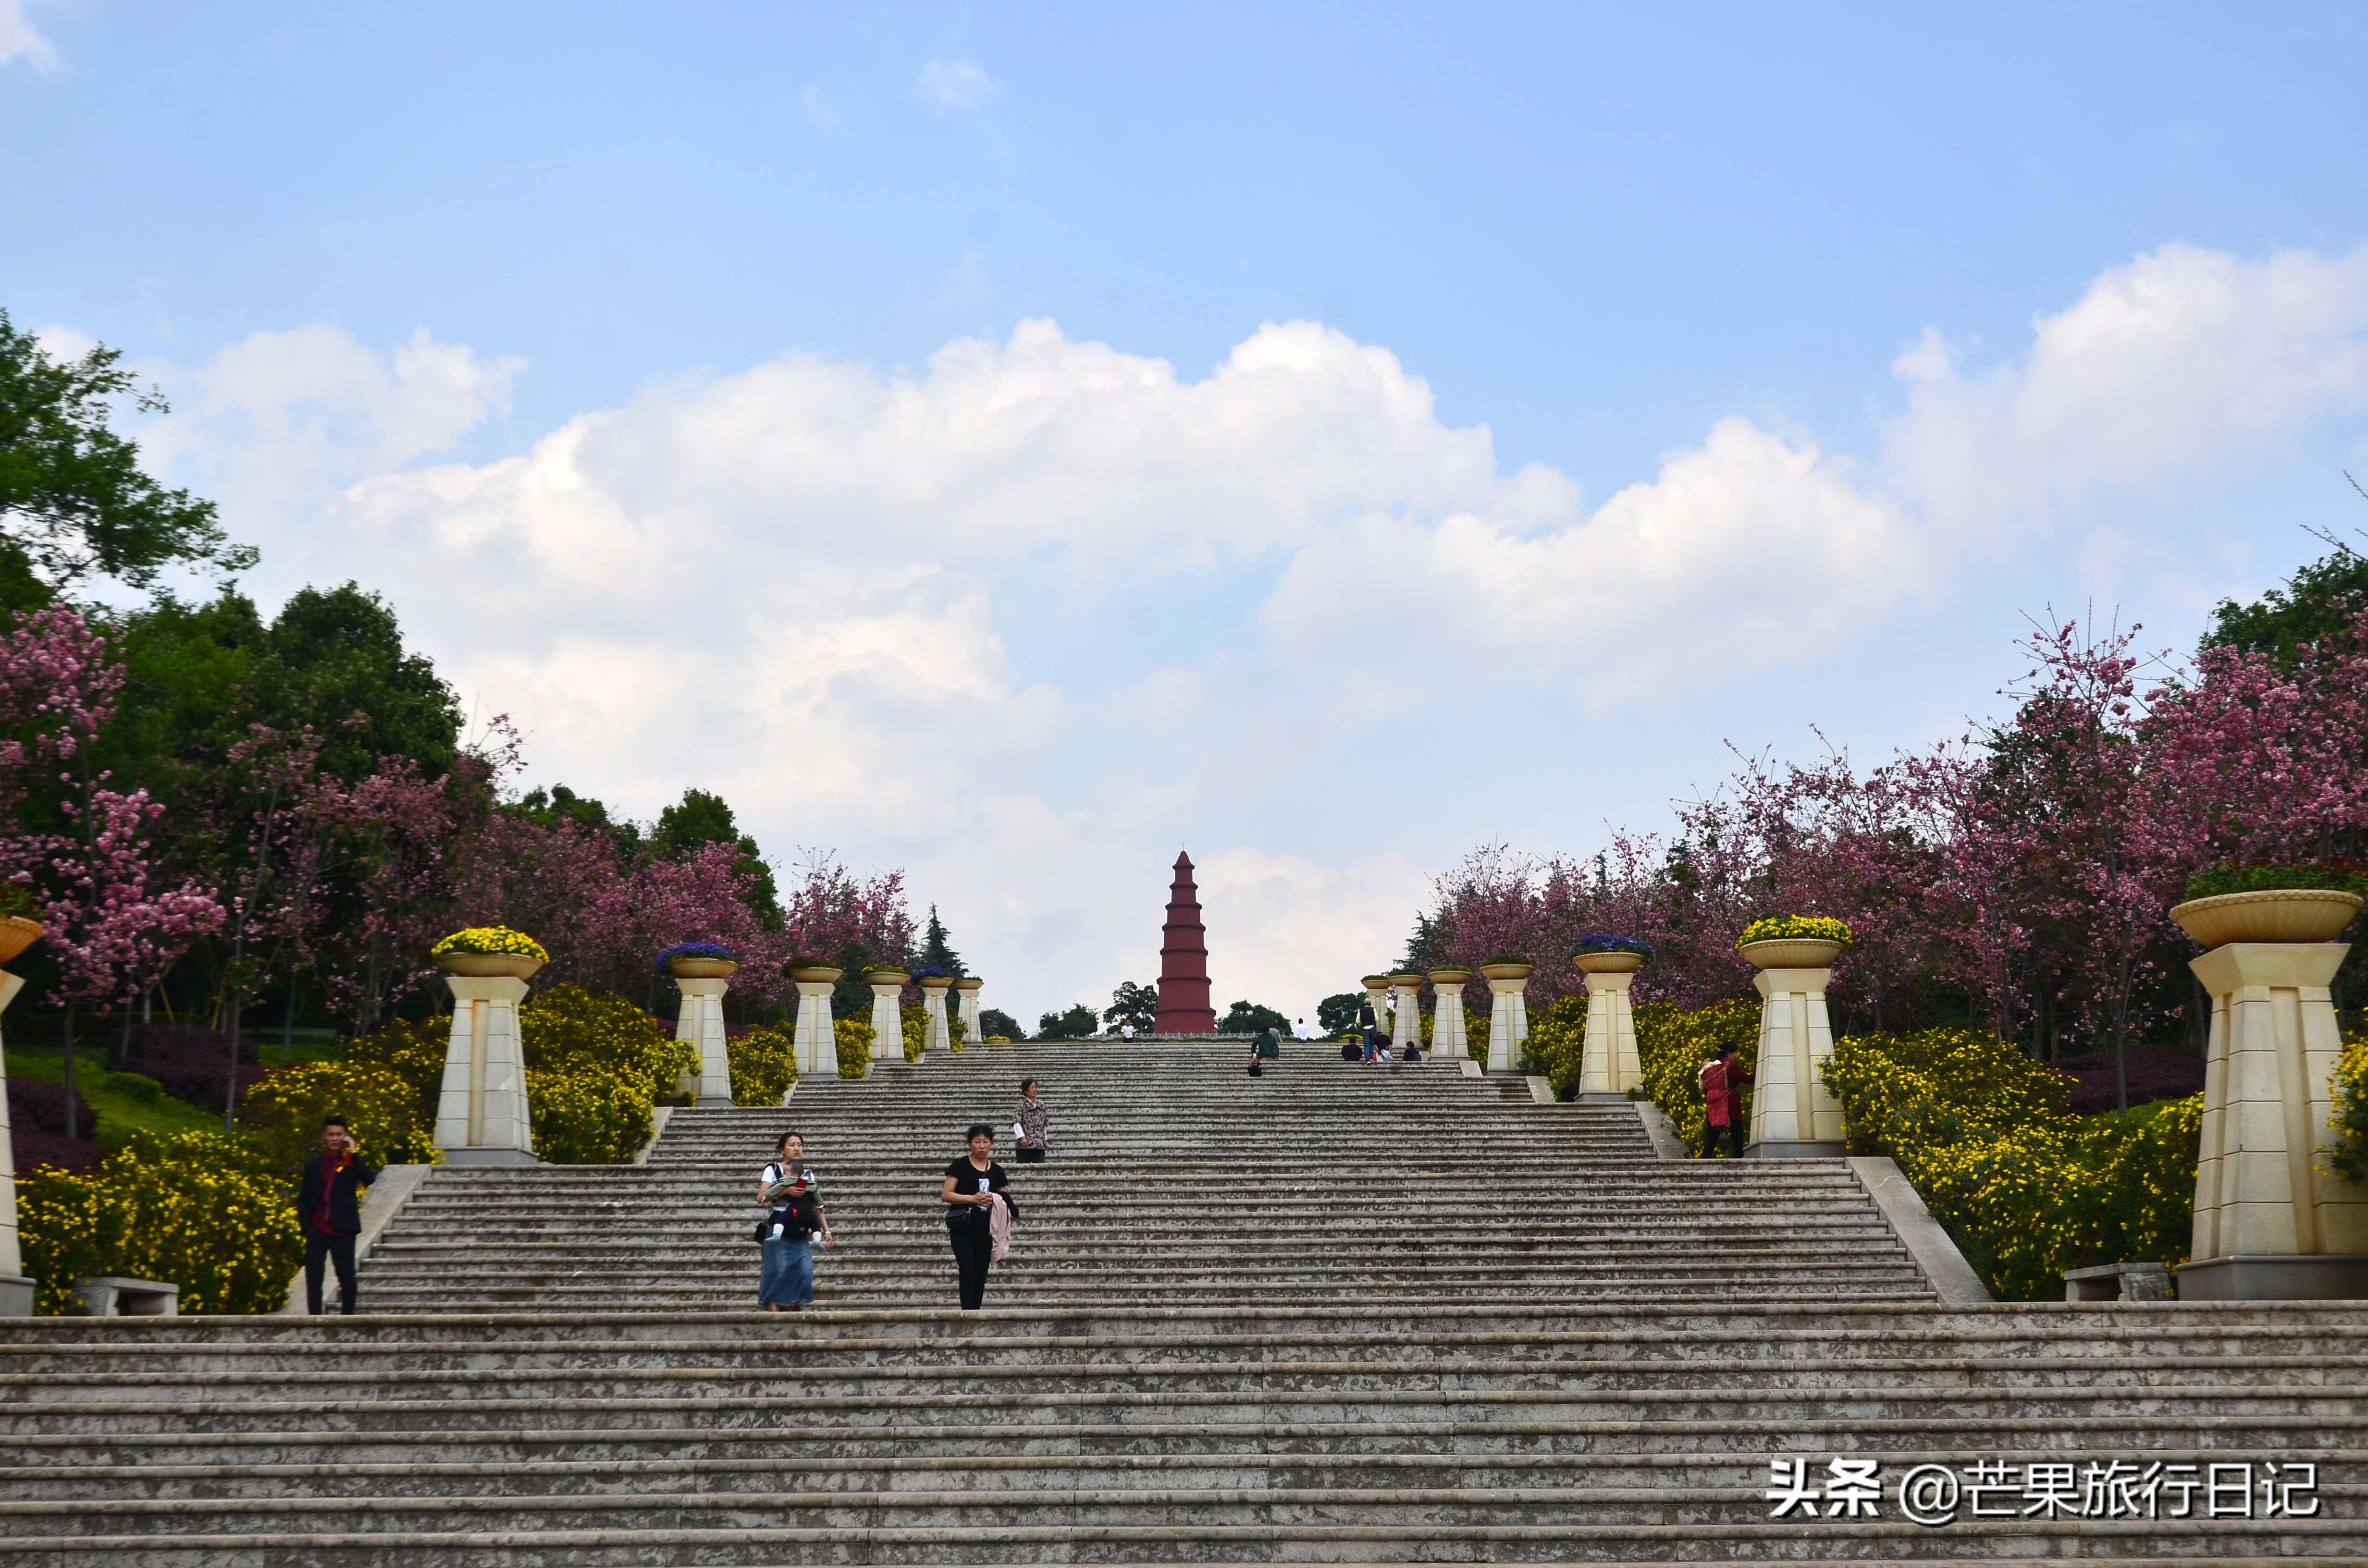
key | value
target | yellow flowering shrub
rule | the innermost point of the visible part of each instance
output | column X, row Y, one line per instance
column 916, row 1022
column 596, row 1066
column 193, row 1209
column 1557, row 1035
column 855, row 1041
column 2026, row 1189
column 764, row 1064
column 411, row 1053
column 588, row 1118
column 2348, row 1158
column 1672, row 1045
column 283, row 1114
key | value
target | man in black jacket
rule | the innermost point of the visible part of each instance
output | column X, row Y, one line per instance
column 328, row 1207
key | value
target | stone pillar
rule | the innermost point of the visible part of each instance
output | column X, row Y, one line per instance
column 1377, row 995
column 15, row 1288
column 1792, row 1112
column 1608, row 1066
column 2271, row 1224
column 974, row 1034
column 887, row 1017
column 699, row 1024
column 1406, row 1011
column 933, row 1009
column 1508, row 1014
column 816, row 1039
column 482, row 1117
column 1448, row 1040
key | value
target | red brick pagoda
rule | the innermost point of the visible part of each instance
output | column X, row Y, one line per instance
column 1184, row 961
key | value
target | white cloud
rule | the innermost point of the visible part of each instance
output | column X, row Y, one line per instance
column 802, row 583
column 1744, row 553
column 279, row 417
column 1286, row 933
column 955, row 85
column 2178, row 360
column 965, row 285
column 19, row 38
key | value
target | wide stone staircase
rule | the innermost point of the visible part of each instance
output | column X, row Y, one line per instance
column 1335, row 1313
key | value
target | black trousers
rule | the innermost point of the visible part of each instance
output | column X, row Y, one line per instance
column 1735, row 1139
column 973, row 1250
column 1031, row 1156
column 319, row 1249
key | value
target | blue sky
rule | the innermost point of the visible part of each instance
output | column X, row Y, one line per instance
column 898, row 419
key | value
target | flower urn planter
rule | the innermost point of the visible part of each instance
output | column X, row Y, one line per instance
column 16, row 934
column 1506, row 970
column 2276, row 914
column 702, row 969
column 488, row 966
column 1792, row 952
column 1615, row 962
column 937, row 1037
column 816, row 974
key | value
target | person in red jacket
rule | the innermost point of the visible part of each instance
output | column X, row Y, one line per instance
column 328, row 1210
column 1723, row 1078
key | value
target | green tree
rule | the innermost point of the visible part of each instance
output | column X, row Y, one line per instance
column 1423, row 948
column 335, row 659
column 1075, row 1024
column 1132, row 1004
column 1337, row 1014
column 937, row 950
column 995, row 1021
column 1249, row 1018
column 702, row 818
column 2317, row 602
column 74, row 502
column 549, row 808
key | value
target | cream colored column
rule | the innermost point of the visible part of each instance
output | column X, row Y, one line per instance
column 1405, row 1012
column 16, row 1289
column 933, row 1009
column 974, row 1035
column 1608, row 1064
column 1792, row 1112
column 1377, row 995
column 482, row 1115
column 2271, row 1224
column 814, row 1041
column 1448, row 1040
column 887, row 1016
column 1509, row 1017
column 699, row 1025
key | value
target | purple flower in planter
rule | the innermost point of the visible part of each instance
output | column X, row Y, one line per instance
column 694, row 951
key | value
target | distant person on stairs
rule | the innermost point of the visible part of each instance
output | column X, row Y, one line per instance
column 1723, row 1078
column 1029, row 1125
column 1304, row 1031
column 975, row 1185
column 330, row 1210
column 792, row 1199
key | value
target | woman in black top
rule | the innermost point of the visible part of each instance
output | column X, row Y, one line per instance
column 969, row 1181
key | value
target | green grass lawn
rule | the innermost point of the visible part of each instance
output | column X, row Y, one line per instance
column 126, row 1102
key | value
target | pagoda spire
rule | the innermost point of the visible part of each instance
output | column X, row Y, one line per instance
column 1184, row 961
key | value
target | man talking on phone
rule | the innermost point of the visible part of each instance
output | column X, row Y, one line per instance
column 328, row 1207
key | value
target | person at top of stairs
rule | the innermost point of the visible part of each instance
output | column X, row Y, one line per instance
column 1030, row 1124
column 974, row 1181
